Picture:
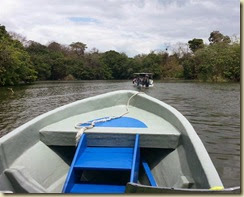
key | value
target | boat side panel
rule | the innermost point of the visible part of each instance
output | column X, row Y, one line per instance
column 5, row 184
column 170, row 168
column 21, row 139
column 44, row 166
column 203, row 170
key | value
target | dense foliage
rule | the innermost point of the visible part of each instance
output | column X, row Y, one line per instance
column 22, row 61
column 15, row 63
column 219, row 61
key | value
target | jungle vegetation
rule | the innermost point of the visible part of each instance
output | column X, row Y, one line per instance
column 23, row 61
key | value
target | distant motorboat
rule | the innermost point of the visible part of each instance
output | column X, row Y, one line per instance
column 143, row 80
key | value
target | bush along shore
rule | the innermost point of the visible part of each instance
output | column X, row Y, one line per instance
column 23, row 61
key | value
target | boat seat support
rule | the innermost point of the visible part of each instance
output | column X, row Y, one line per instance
column 149, row 173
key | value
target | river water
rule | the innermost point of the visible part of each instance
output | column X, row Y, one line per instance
column 212, row 108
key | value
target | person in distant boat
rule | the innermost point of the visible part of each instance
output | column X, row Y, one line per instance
column 134, row 80
column 146, row 81
column 138, row 82
column 143, row 81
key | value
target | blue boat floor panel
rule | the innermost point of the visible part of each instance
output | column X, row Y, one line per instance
column 105, row 158
column 126, row 122
column 97, row 188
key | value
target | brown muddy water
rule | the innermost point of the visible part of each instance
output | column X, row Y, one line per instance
column 212, row 108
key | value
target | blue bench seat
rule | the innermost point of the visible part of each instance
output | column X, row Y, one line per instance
column 105, row 158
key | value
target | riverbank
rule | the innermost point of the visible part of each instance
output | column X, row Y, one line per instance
column 111, row 80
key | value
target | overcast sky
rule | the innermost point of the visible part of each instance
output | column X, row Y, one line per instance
column 130, row 26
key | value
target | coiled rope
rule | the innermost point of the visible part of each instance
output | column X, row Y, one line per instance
column 92, row 124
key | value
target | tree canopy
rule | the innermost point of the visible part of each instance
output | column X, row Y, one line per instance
column 15, row 63
column 195, row 44
column 23, row 61
column 78, row 48
column 217, row 37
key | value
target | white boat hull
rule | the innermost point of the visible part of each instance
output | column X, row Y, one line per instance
column 36, row 156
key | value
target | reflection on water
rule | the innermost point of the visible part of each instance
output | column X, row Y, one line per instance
column 212, row 108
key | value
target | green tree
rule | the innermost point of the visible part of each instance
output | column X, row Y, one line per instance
column 189, row 64
column 195, row 44
column 78, row 47
column 40, row 57
column 218, row 62
column 15, row 63
column 77, row 68
column 151, row 63
column 117, row 63
column 172, row 67
column 54, row 46
column 217, row 37
column 232, row 68
column 94, row 64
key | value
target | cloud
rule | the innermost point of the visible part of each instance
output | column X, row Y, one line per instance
column 133, row 27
